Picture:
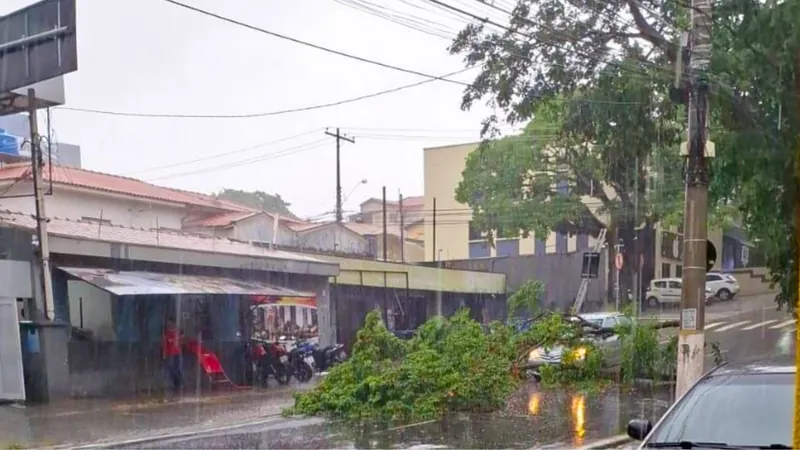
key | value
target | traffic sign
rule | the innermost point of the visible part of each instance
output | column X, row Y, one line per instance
column 37, row 43
column 618, row 261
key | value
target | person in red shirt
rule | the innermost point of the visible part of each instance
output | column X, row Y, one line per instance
column 171, row 352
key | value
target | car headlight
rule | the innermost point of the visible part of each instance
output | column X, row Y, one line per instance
column 579, row 354
column 534, row 354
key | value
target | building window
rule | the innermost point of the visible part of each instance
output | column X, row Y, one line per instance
column 508, row 247
column 561, row 243
column 678, row 271
column 665, row 270
column 539, row 247
column 474, row 233
column 582, row 242
column 479, row 250
column 562, row 187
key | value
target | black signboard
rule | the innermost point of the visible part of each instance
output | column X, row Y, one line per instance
column 37, row 43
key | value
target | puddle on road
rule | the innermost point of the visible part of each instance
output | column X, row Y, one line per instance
column 554, row 419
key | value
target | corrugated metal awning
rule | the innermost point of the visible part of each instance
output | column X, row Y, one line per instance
column 151, row 283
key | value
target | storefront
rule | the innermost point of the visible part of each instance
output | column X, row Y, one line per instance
column 115, row 287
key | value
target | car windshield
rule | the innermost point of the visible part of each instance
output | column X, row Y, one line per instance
column 739, row 410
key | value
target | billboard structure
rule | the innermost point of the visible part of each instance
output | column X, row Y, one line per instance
column 38, row 44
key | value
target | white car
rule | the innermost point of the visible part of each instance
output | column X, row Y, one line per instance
column 725, row 286
column 668, row 291
column 541, row 356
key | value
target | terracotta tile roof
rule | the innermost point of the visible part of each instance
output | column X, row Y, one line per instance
column 306, row 226
column 116, row 184
column 371, row 229
column 93, row 231
column 410, row 202
column 414, row 202
column 229, row 218
column 221, row 220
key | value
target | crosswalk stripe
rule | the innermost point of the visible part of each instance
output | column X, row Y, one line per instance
column 782, row 324
column 712, row 325
column 733, row 325
column 759, row 325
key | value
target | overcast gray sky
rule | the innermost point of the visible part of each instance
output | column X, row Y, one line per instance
column 153, row 57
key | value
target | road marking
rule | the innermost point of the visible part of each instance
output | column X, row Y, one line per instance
column 733, row 325
column 782, row 324
column 759, row 325
column 712, row 325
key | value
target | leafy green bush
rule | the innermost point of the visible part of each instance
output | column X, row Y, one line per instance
column 449, row 365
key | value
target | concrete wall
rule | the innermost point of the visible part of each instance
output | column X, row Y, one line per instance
column 559, row 272
column 75, row 204
column 90, row 309
column 333, row 237
column 261, row 228
column 754, row 281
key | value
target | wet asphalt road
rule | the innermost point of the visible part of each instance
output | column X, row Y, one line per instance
column 533, row 419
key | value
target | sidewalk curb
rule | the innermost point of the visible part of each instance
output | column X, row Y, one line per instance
column 613, row 441
column 161, row 437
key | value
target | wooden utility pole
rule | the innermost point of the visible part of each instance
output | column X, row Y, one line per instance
column 691, row 338
column 796, row 433
column 37, row 164
column 339, row 138
column 402, row 231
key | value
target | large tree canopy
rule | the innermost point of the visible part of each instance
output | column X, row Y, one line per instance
column 259, row 200
column 595, row 84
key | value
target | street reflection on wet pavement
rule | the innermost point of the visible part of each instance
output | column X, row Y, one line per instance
column 551, row 419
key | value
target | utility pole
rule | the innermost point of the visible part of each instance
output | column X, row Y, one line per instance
column 796, row 427
column 339, row 138
column 637, row 257
column 37, row 162
column 691, row 338
column 384, row 224
column 433, row 232
column 402, row 231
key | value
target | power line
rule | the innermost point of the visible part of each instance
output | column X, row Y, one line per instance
column 293, row 150
column 264, row 114
column 220, row 155
column 314, row 46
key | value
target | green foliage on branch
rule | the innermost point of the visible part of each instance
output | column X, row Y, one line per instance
column 527, row 298
column 449, row 365
column 453, row 364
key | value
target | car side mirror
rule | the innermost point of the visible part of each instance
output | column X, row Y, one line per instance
column 639, row 429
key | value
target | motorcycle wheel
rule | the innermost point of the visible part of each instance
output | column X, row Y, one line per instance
column 282, row 374
column 303, row 372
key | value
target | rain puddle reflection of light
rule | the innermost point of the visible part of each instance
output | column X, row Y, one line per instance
column 534, row 403
column 578, row 410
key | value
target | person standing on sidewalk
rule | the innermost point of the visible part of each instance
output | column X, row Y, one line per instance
column 172, row 351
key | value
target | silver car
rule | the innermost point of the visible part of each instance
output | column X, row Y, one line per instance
column 540, row 356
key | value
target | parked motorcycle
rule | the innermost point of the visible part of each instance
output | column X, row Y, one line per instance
column 269, row 359
column 324, row 358
column 301, row 363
